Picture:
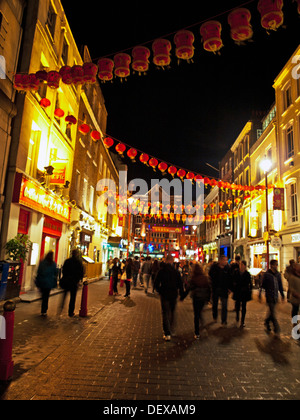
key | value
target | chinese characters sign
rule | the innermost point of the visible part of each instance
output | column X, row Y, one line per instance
column 278, row 199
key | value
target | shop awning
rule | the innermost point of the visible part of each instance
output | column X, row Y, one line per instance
column 114, row 240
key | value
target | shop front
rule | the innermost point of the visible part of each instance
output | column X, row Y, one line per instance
column 290, row 248
column 258, row 255
column 40, row 214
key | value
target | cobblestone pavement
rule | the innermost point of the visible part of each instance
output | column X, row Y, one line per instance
column 117, row 353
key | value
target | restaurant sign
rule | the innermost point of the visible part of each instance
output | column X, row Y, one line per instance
column 32, row 195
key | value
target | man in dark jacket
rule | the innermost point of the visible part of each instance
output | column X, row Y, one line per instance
column 72, row 273
column 220, row 284
column 167, row 283
column 272, row 283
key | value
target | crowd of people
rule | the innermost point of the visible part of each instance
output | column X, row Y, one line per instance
column 207, row 283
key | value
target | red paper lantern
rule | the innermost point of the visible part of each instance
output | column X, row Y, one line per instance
column 122, row 63
column 53, row 79
column 84, row 129
column 132, row 153
column 198, row 178
column 59, row 113
column 190, row 176
column 239, row 21
column 45, row 103
column 181, row 173
column 106, row 67
column 153, row 163
column 144, row 158
column 184, row 41
column 161, row 52
column 120, row 148
column 211, row 34
column 77, row 75
column 162, row 166
column 140, row 61
column 172, row 171
column 22, row 82
column 66, row 75
column 108, row 142
column 206, row 181
column 70, row 119
column 90, row 71
column 95, row 135
column 42, row 75
column 33, row 83
column 271, row 13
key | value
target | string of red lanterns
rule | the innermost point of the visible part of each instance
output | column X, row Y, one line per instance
column 120, row 66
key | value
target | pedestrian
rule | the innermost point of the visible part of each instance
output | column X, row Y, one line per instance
column 136, row 269
column 167, row 284
column 72, row 272
column 272, row 284
column 116, row 273
column 46, row 279
column 146, row 273
column 290, row 269
column 220, row 283
column 129, row 270
column 242, row 291
column 294, row 288
column 200, row 292
column 154, row 271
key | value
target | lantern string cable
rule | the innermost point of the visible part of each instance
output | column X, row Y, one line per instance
column 173, row 33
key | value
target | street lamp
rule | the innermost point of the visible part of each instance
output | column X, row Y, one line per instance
column 265, row 165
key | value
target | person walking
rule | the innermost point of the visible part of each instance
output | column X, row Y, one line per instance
column 116, row 272
column 220, row 282
column 242, row 291
column 272, row 284
column 146, row 273
column 294, row 288
column 129, row 270
column 200, row 292
column 154, row 271
column 46, row 279
column 167, row 284
column 72, row 273
column 136, row 269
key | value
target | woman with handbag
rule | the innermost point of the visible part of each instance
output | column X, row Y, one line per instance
column 242, row 291
column 129, row 271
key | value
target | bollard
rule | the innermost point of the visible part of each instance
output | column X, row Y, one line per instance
column 84, row 299
column 111, row 289
column 6, row 346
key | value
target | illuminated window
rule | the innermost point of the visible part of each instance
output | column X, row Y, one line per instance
column 84, row 193
column 293, row 203
column 31, row 162
column 51, row 19
column 287, row 97
column 289, row 142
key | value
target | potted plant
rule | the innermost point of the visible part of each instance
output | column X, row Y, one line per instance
column 16, row 250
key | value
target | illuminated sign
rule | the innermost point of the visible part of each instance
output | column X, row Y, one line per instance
column 165, row 229
column 37, row 198
column 278, row 199
column 296, row 237
column 59, row 174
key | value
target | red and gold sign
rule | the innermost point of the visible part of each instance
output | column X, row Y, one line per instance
column 165, row 229
column 30, row 194
column 59, row 174
column 278, row 199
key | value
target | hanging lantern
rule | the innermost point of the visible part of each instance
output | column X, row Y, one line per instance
column 172, row 170
column 45, row 103
column 66, row 75
column 120, row 148
column 213, row 182
column 221, row 204
column 228, row 203
column 140, row 61
column 205, row 206
column 84, row 129
column 229, row 214
column 77, row 75
column 240, row 212
column 34, row 83
column 211, row 35
column 212, row 205
column 144, row 158
column 53, row 79
column 208, row 218
column 95, row 135
column 162, row 167
column 190, row 176
column 22, row 82
column 198, row 179
column 235, row 213
column 161, row 52
column 181, row 173
column 106, row 67
column 42, row 75
column 70, row 119
column 132, row 153
column 183, row 218
column 153, row 163
column 122, row 62
column 90, row 71
column 239, row 21
column 172, row 217
column 206, row 182
column 237, row 201
column 178, row 217
column 59, row 113
column 271, row 13
column 108, row 142
column 184, row 41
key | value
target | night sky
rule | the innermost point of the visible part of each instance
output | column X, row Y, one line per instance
column 190, row 114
